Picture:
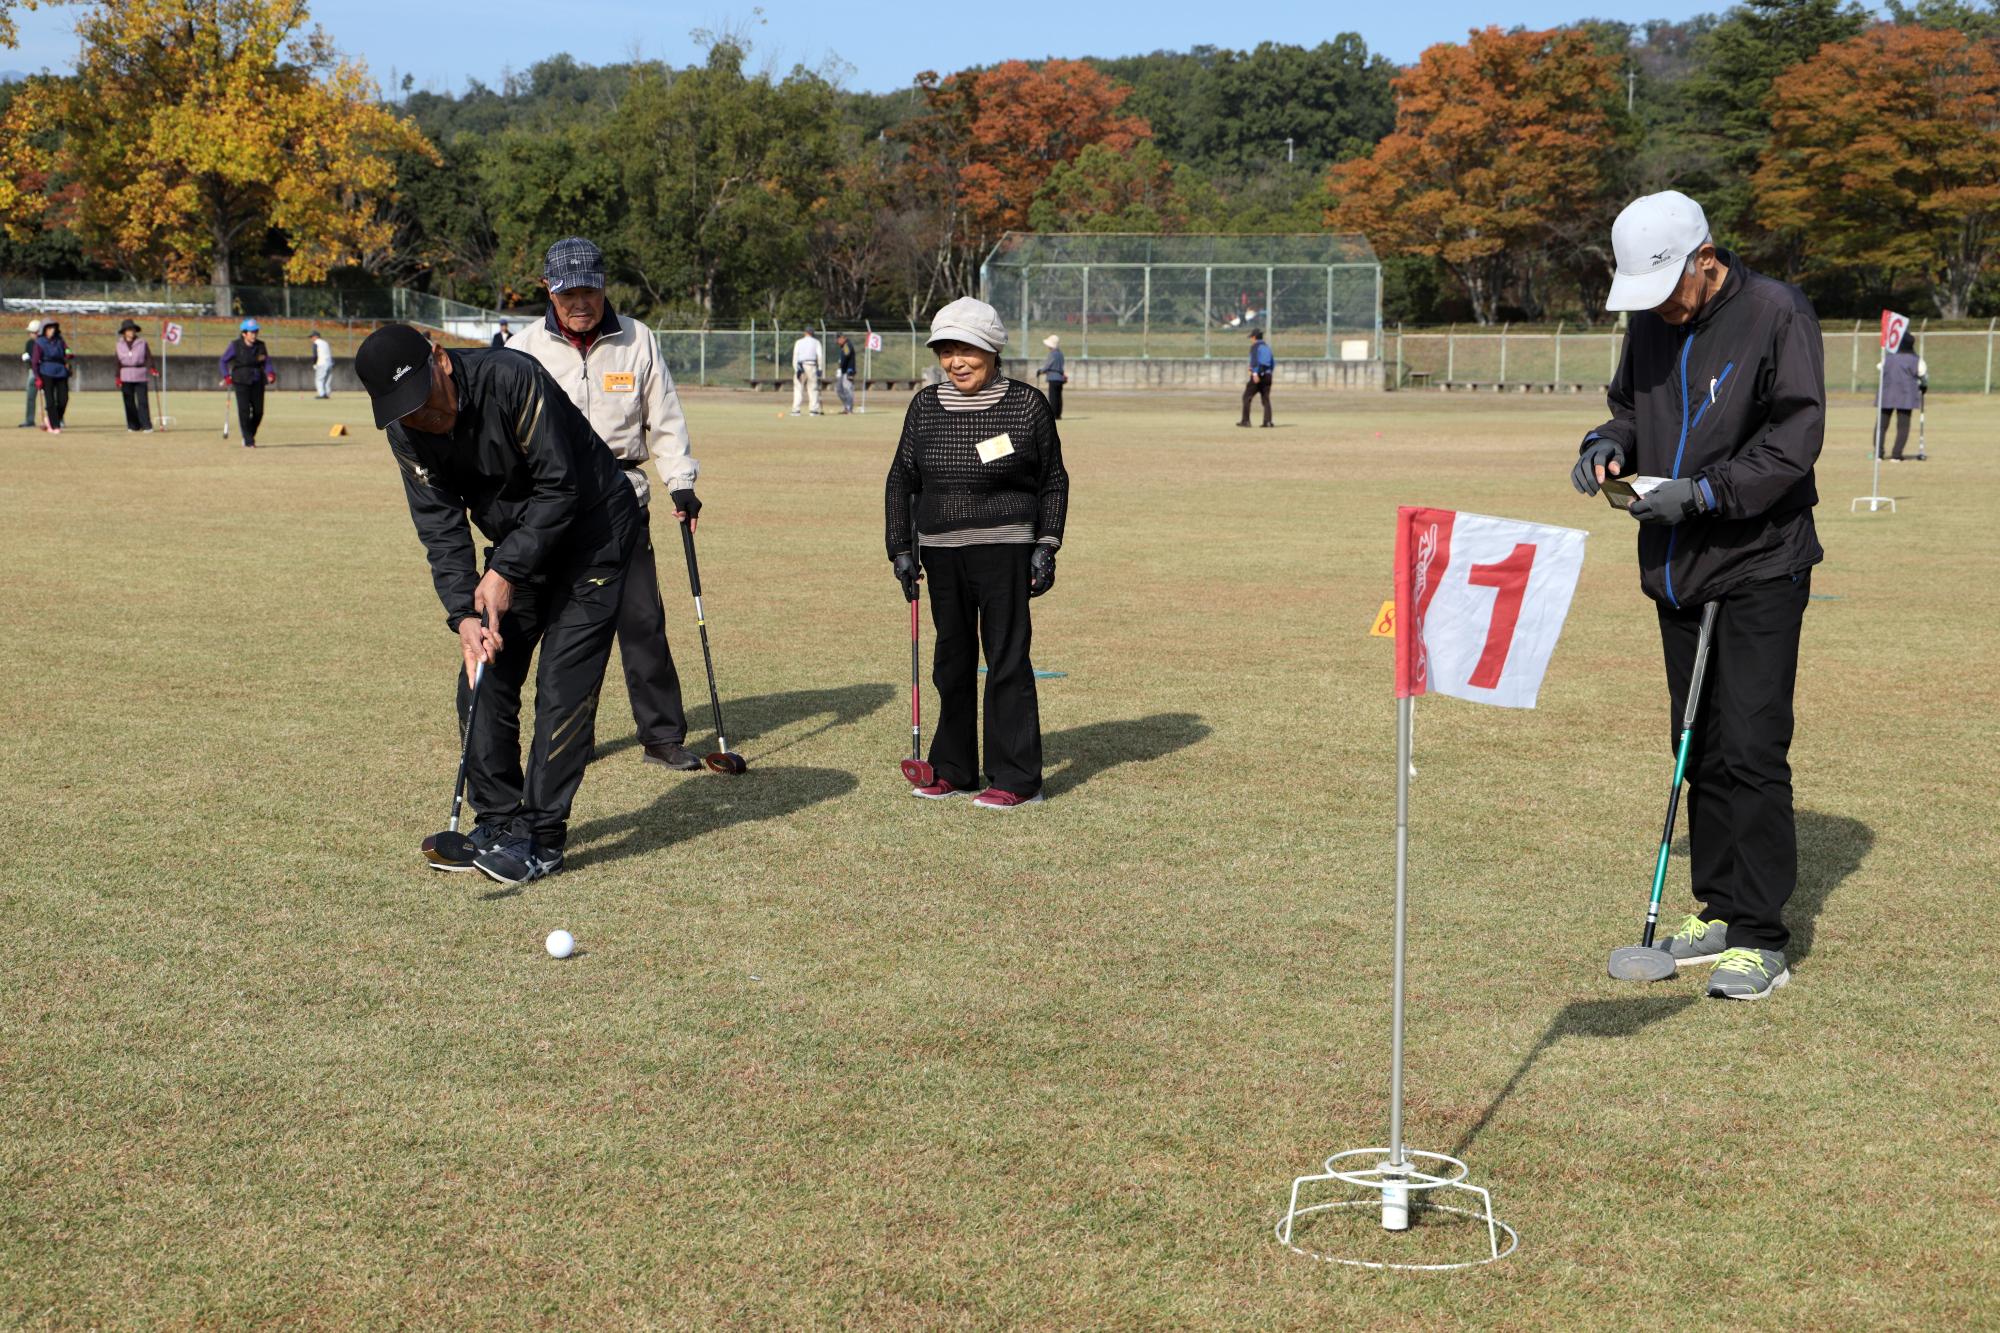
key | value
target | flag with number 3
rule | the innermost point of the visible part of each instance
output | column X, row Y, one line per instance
column 1480, row 603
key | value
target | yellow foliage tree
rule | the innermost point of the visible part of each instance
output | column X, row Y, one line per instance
column 193, row 129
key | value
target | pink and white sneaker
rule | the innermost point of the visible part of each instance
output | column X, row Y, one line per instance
column 937, row 791
column 995, row 799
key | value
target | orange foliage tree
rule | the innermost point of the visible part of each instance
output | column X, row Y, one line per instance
column 1500, row 146
column 1885, row 159
column 193, row 129
column 990, row 140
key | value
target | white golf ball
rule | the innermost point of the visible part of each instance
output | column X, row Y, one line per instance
column 560, row 944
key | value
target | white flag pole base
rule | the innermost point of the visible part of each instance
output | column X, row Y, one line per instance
column 1873, row 502
column 1397, row 1190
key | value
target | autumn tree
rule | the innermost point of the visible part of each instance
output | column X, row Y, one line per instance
column 989, row 141
column 194, row 129
column 1499, row 144
column 1885, row 155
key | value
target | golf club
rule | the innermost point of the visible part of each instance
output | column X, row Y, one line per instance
column 225, row 412
column 723, row 760
column 1921, row 395
column 1642, row 962
column 452, row 850
column 914, row 768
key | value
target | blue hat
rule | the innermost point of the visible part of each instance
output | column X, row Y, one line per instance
column 573, row 262
column 247, row 326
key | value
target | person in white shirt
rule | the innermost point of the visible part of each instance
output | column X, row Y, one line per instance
column 609, row 365
column 322, row 366
column 807, row 357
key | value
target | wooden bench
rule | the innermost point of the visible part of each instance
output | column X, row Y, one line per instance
column 1417, row 379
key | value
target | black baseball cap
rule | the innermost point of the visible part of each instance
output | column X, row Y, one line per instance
column 393, row 364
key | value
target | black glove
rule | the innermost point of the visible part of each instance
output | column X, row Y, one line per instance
column 907, row 574
column 1670, row 502
column 1599, row 453
column 685, row 503
column 1041, row 570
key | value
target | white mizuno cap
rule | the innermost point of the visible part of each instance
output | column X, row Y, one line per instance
column 1653, row 238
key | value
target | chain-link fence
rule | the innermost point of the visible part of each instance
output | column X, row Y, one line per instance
column 1959, row 356
column 365, row 304
column 1315, row 296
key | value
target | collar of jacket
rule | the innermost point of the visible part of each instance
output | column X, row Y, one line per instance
column 582, row 341
column 1732, row 283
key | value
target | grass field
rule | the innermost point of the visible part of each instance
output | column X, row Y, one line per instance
column 832, row 1055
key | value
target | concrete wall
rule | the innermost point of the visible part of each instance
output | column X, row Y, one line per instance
column 189, row 373
column 1197, row 373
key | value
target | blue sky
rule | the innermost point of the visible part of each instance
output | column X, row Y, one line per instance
column 877, row 46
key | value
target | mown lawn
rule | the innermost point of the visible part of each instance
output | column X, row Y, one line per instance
column 832, row 1055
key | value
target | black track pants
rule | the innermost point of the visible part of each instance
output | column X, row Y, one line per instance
column 979, row 598
column 1055, row 399
column 1741, row 833
column 250, row 410
column 651, row 680
column 55, row 402
column 1902, row 416
column 572, row 617
column 138, row 415
column 1261, row 386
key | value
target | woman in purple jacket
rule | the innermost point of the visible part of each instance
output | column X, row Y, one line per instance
column 135, row 368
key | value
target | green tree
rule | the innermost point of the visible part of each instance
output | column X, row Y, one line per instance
column 1970, row 17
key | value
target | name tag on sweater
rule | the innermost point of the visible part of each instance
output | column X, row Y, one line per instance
column 994, row 449
column 617, row 382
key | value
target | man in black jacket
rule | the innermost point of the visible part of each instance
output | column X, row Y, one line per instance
column 1721, row 394
column 489, row 433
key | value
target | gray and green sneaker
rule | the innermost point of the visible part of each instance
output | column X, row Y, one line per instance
column 1747, row 974
column 1697, row 941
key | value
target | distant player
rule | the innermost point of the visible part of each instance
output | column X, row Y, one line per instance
column 1262, row 367
column 490, row 434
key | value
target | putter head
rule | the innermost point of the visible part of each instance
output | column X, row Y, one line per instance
column 1636, row 962
column 918, row 772
column 726, row 761
column 449, row 848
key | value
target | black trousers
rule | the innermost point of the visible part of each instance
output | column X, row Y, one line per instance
column 1259, row 386
column 1902, row 416
column 979, row 598
column 1741, row 834
column 250, row 409
column 138, row 412
column 1055, row 399
column 651, row 681
column 572, row 618
column 55, row 402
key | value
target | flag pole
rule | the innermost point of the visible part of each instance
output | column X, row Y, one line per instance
column 1395, row 1200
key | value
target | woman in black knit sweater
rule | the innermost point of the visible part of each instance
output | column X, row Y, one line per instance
column 977, row 494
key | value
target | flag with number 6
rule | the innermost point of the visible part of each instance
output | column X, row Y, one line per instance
column 1480, row 603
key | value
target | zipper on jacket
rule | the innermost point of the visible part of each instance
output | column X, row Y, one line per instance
column 1714, row 388
column 1679, row 451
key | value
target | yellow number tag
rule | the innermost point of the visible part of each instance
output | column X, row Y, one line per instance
column 991, row 450
column 615, row 382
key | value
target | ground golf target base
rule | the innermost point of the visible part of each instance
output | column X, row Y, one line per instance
column 1395, row 1191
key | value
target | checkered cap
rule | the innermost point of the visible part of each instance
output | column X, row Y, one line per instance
column 573, row 262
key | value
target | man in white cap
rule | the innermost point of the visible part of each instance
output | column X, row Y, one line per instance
column 28, row 359
column 807, row 357
column 1718, row 411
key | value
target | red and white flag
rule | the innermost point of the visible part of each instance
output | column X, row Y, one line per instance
column 1480, row 603
column 1894, row 326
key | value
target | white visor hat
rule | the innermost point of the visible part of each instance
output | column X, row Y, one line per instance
column 1652, row 239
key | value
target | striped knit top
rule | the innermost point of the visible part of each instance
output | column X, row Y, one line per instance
column 981, row 468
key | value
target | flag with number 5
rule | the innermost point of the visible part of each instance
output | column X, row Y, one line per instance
column 1480, row 603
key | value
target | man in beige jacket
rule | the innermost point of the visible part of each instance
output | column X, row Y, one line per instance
column 609, row 364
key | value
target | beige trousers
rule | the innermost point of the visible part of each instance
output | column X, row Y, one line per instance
column 805, row 386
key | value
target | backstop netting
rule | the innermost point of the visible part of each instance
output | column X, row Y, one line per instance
column 1122, row 295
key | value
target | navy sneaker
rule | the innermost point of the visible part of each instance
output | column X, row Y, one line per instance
column 518, row 861
column 463, row 853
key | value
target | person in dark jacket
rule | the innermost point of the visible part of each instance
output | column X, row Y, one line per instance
column 501, row 335
column 1905, row 378
column 843, row 385
column 51, row 365
column 1053, row 374
column 1720, row 394
column 246, row 365
column 1262, row 367
column 489, row 434
column 975, row 501
column 135, row 377
column 35, row 326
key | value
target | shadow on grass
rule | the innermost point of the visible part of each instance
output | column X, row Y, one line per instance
column 1585, row 1019
column 762, row 714
column 1073, row 757
column 1831, row 847
column 702, row 804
